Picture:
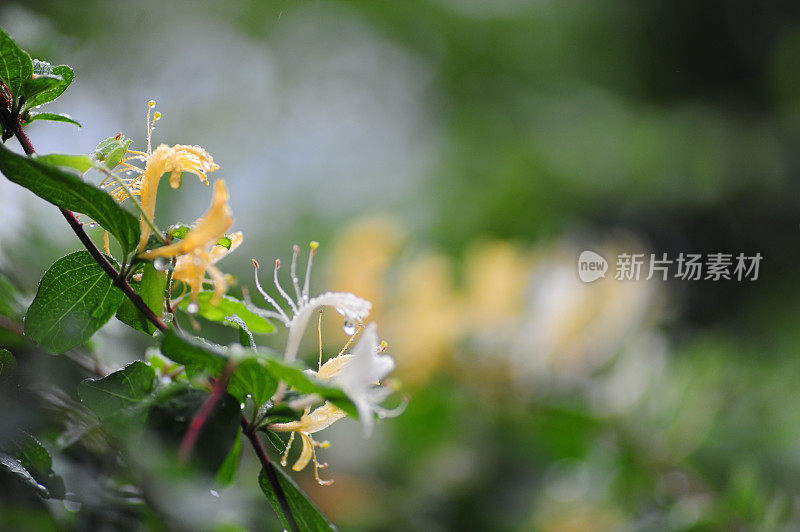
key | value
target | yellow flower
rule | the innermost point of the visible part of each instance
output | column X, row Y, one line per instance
column 175, row 159
column 198, row 251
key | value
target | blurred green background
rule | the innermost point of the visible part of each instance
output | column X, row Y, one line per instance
column 453, row 157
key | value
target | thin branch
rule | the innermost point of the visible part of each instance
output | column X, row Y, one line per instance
column 201, row 418
column 119, row 281
column 247, row 430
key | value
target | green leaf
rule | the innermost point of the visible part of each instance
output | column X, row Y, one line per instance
column 16, row 66
column 305, row 512
column 54, row 90
column 296, row 377
column 34, row 86
column 117, row 398
column 227, row 472
column 8, row 366
column 70, row 192
column 30, row 454
column 251, row 376
column 14, row 467
column 81, row 163
column 245, row 335
column 75, row 298
column 151, row 288
column 53, row 117
column 112, row 150
column 280, row 413
column 228, row 306
column 9, row 299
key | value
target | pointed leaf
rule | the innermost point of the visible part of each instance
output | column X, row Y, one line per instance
column 117, row 398
column 53, row 117
column 305, row 512
column 16, row 66
column 14, row 467
column 228, row 306
column 55, row 90
column 31, row 455
column 70, row 192
column 75, row 298
column 81, row 163
column 227, row 472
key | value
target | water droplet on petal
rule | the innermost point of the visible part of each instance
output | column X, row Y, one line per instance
column 160, row 263
column 192, row 308
column 349, row 328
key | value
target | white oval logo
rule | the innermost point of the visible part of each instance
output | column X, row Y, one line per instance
column 591, row 266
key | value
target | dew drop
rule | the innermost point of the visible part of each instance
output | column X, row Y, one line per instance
column 214, row 493
column 192, row 308
column 349, row 328
column 91, row 225
column 160, row 263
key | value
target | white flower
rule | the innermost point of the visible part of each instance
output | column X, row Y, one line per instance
column 353, row 308
column 361, row 375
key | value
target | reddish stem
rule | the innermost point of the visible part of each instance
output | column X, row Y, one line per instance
column 201, row 418
column 221, row 386
column 248, row 430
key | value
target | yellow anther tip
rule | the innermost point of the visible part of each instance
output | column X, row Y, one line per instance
column 314, row 244
column 156, row 115
column 151, row 103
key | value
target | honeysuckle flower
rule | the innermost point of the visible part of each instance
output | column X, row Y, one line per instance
column 175, row 159
column 358, row 375
column 353, row 308
column 198, row 251
column 310, row 422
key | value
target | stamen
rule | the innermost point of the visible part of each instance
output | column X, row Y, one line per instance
column 150, row 105
column 286, row 452
column 307, row 284
column 258, row 310
column 319, row 330
column 267, row 297
column 280, row 288
column 383, row 347
column 295, row 280
column 317, row 465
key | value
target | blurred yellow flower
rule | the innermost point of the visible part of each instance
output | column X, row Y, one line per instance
column 198, row 251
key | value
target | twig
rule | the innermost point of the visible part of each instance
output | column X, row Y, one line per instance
column 247, row 430
column 119, row 281
column 199, row 421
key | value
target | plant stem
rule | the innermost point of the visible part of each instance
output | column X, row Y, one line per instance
column 199, row 420
column 95, row 252
column 248, row 430
column 120, row 281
